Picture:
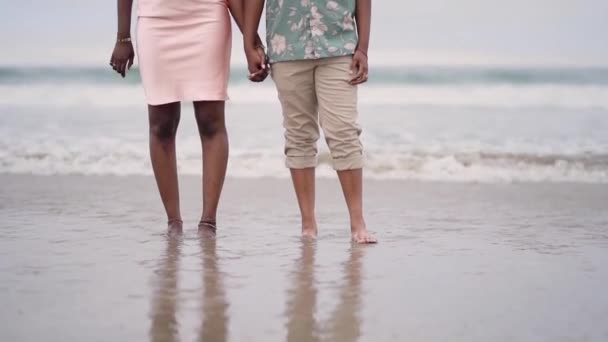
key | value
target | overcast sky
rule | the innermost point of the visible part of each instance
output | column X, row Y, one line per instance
column 404, row 32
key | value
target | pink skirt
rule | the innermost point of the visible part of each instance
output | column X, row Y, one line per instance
column 185, row 54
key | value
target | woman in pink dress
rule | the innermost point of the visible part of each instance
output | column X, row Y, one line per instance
column 184, row 55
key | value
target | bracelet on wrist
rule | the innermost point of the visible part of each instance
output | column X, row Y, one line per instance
column 123, row 40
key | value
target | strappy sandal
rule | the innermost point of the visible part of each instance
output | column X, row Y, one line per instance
column 208, row 225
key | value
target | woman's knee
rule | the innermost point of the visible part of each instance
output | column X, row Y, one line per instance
column 163, row 130
column 164, row 122
column 210, row 119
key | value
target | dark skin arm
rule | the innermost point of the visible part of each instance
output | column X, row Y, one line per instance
column 123, row 55
column 363, row 12
column 237, row 9
column 363, row 16
column 253, row 14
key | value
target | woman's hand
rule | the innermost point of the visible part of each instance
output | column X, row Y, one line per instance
column 122, row 57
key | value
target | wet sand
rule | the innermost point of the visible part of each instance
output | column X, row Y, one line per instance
column 85, row 258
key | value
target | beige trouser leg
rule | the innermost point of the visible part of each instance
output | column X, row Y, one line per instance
column 296, row 88
column 338, row 112
column 310, row 90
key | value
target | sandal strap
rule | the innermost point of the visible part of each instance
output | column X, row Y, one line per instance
column 210, row 224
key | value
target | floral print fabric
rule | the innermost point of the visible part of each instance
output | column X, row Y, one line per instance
column 310, row 29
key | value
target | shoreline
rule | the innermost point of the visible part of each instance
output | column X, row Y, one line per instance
column 485, row 257
column 324, row 177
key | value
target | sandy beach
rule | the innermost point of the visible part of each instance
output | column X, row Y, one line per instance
column 86, row 258
column 486, row 181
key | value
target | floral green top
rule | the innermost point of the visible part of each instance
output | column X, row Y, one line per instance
column 310, row 29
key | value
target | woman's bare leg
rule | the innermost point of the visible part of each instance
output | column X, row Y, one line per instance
column 214, row 140
column 164, row 120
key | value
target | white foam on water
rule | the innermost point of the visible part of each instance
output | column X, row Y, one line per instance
column 494, row 95
column 433, row 163
column 561, row 142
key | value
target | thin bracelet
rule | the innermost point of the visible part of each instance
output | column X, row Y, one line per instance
column 123, row 40
column 364, row 53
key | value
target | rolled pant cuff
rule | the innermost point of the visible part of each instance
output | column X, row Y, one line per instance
column 301, row 162
column 352, row 162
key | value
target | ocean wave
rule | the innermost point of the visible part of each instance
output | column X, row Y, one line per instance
column 490, row 167
column 505, row 96
column 411, row 75
column 123, row 158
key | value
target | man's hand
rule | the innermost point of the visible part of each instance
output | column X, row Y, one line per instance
column 122, row 57
column 359, row 68
column 257, row 64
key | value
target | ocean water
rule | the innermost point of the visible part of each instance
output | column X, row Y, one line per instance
column 460, row 124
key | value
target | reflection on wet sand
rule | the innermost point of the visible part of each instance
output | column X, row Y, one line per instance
column 344, row 324
column 345, row 321
column 302, row 325
column 302, row 298
column 164, row 325
column 214, row 326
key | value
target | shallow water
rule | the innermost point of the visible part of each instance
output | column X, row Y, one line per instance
column 453, row 124
column 86, row 258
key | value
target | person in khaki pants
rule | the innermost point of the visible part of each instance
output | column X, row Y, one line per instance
column 317, row 51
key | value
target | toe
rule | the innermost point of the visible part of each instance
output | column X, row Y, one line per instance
column 364, row 238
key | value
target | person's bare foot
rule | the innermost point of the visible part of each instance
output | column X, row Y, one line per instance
column 175, row 227
column 309, row 230
column 360, row 235
column 207, row 228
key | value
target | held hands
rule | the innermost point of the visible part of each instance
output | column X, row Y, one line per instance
column 257, row 64
column 122, row 57
column 359, row 68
